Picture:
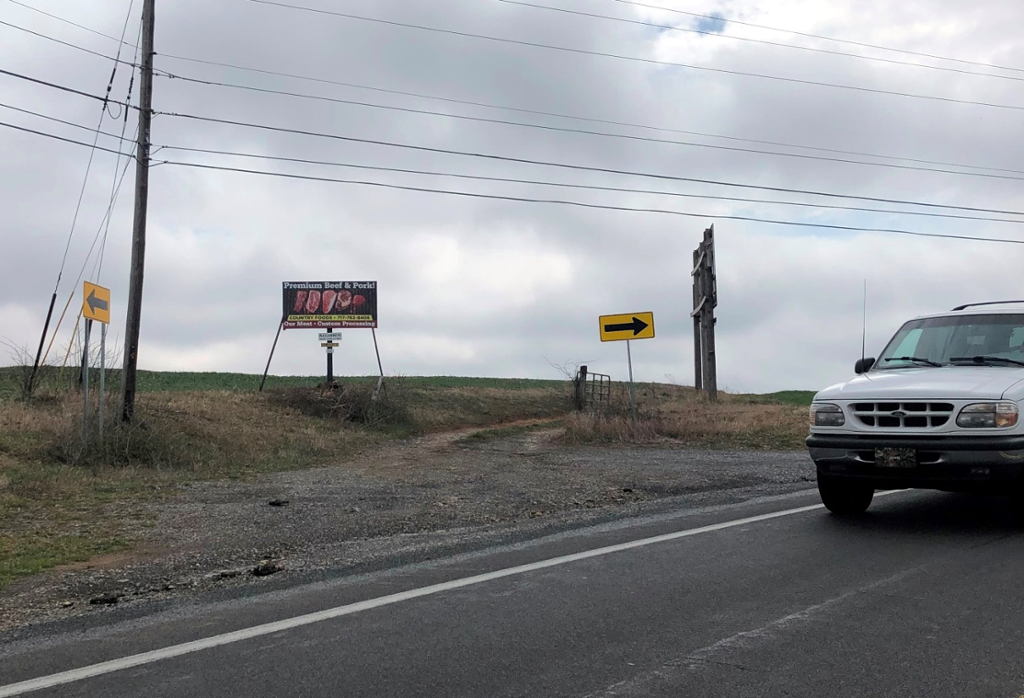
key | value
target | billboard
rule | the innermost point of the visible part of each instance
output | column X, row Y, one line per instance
column 325, row 304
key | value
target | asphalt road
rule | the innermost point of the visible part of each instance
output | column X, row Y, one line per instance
column 921, row 597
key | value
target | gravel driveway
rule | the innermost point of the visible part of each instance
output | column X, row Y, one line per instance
column 408, row 501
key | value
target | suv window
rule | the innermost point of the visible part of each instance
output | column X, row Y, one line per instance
column 942, row 338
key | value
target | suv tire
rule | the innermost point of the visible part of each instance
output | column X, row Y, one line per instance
column 844, row 497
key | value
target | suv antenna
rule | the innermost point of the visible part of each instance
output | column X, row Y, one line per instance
column 864, row 331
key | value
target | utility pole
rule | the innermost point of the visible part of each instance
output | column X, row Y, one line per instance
column 131, row 338
column 705, row 300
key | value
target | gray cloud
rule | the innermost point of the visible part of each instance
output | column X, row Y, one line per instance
column 474, row 286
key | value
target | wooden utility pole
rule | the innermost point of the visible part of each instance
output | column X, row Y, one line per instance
column 131, row 338
column 705, row 300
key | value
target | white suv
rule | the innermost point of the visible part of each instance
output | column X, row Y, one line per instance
column 939, row 409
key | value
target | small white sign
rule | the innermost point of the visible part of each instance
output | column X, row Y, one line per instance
column 330, row 336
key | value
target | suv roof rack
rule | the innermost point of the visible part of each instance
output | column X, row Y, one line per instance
column 974, row 305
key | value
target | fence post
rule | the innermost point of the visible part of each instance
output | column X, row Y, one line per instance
column 580, row 398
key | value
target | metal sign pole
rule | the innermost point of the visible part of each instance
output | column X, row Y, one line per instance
column 103, row 373
column 85, row 382
column 271, row 357
column 330, row 361
column 380, row 366
column 632, row 394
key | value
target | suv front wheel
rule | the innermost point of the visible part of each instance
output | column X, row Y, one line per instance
column 844, row 497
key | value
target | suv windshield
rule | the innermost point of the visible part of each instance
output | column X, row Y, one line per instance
column 939, row 340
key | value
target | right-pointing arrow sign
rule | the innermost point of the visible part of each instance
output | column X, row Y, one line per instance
column 637, row 326
column 627, row 326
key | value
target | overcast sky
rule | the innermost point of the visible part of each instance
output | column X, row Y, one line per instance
column 481, row 287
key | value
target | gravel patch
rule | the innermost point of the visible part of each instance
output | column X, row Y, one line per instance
column 408, row 501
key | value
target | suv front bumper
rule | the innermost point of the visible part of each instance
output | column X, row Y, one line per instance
column 960, row 462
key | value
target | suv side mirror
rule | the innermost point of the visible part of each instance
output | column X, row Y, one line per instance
column 863, row 365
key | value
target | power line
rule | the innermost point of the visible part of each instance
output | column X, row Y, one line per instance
column 62, row 138
column 62, row 88
column 588, row 132
column 92, row 153
column 605, row 207
column 65, row 21
column 780, row 44
column 59, row 121
column 587, row 187
column 611, row 122
column 583, row 168
column 61, row 42
column 539, row 112
column 819, row 36
column 115, row 185
column 638, row 59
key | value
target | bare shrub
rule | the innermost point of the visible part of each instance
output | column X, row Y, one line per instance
column 357, row 402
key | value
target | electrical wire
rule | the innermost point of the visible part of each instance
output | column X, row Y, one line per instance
column 704, row 32
column 116, row 190
column 611, row 122
column 818, row 36
column 574, row 167
column 55, row 86
column 581, row 131
column 62, row 19
column 533, row 111
column 604, row 207
column 639, row 59
column 61, row 138
column 61, row 42
column 587, row 187
column 59, row 121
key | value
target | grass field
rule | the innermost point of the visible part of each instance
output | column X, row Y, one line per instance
column 60, row 503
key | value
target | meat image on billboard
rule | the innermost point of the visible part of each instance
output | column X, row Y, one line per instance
column 326, row 304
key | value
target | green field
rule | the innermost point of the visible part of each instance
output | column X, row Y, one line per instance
column 160, row 381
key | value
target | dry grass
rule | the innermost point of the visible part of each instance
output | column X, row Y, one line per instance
column 63, row 501
column 679, row 414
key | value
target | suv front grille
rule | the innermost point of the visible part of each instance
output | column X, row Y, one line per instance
column 898, row 415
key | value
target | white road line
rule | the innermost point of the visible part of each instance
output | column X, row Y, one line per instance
column 134, row 660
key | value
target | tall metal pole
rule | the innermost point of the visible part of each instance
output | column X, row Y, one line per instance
column 103, row 375
column 131, row 339
column 85, row 391
column 632, row 393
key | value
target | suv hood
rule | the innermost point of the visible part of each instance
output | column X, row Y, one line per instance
column 928, row 383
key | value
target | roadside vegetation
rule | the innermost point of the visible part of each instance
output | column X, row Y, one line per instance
column 64, row 501
column 675, row 414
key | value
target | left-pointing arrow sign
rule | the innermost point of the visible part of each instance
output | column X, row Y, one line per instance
column 96, row 302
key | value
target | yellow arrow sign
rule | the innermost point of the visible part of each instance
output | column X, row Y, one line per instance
column 627, row 326
column 96, row 303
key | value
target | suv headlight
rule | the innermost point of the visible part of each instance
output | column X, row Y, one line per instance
column 824, row 414
column 988, row 415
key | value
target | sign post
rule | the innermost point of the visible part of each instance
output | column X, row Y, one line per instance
column 95, row 307
column 627, row 327
column 85, row 390
column 102, row 376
